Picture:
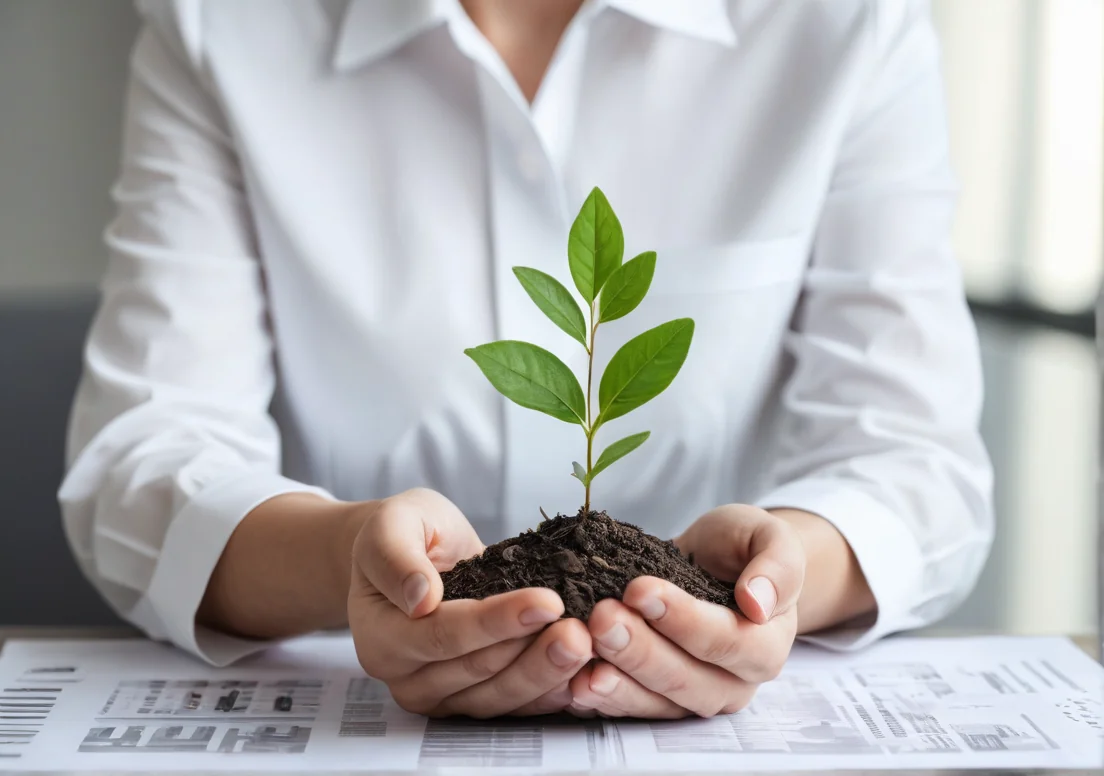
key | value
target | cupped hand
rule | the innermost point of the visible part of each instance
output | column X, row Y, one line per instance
column 508, row 654
column 666, row 654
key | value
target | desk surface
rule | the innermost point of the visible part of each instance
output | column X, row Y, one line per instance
column 1090, row 644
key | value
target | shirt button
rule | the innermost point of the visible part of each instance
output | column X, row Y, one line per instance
column 531, row 165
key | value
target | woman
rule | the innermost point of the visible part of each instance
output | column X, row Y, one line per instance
column 318, row 209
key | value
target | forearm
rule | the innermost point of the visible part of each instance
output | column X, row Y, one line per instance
column 835, row 589
column 285, row 569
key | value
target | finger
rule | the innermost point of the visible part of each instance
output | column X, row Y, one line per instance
column 623, row 638
column 578, row 684
column 396, row 549
column 552, row 702
column 581, row 712
column 422, row 691
column 556, row 656
column 711, row 633
column 771, row 582
column 719, row 539
column 390, row 644
column 607, row 690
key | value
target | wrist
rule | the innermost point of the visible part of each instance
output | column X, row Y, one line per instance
column 285, row 569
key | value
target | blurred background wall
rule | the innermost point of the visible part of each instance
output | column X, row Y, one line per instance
column 62, row 71
column 1025, row 89
column 1025, row 98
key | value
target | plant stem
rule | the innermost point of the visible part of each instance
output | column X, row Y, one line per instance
column 590, row 422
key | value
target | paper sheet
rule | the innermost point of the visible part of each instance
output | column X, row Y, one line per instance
column 904, row 703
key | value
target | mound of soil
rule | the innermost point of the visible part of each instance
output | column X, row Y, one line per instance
column 584, row 558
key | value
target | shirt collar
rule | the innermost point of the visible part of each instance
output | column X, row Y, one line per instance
column 370, row 29
column 705, row 19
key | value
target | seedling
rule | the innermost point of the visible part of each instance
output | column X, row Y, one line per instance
column 638, row 372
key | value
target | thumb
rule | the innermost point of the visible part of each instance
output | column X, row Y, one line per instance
column 771, row 581
column 393, row 549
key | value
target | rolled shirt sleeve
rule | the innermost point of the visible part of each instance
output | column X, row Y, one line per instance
column 881, row 411
column 170, row 441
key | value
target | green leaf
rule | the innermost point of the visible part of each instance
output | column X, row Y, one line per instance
column 595, row 245
column 554, row 300
column 626, row 287
column 618, row 450
column 580, row 473
column 643, row 368
column 532, row 377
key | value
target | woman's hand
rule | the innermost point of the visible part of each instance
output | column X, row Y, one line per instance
column 666, row 654
column 483, row 658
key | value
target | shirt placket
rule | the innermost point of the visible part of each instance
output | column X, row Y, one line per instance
column 528, row 225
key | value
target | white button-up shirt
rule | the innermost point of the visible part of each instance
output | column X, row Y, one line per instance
column 319, row 207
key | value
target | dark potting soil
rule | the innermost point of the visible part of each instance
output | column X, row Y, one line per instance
column 584, row 558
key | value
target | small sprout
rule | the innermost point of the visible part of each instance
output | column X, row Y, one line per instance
column 618, row 450
column 579, row 472
column 641, row 370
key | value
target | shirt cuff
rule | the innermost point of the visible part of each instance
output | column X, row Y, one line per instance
column 887, row 552
column 192, row 547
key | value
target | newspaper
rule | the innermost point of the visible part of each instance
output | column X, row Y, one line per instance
column 132, row 705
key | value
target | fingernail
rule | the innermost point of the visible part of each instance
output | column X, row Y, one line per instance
column 561, row 655
column 652, row 608
column 604, row 684
column 414, row 590
column 616, row 638
column 763, row 592
column 537, row 617
column 580, row 705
